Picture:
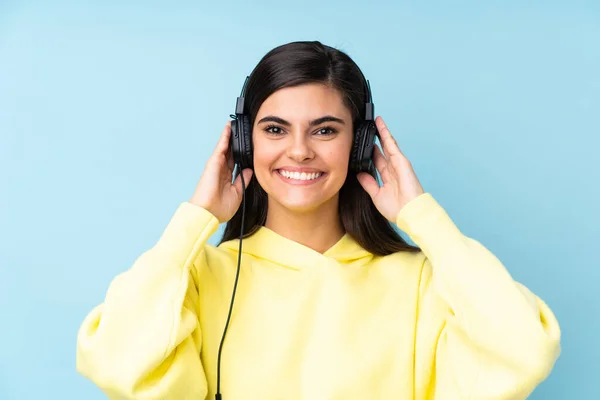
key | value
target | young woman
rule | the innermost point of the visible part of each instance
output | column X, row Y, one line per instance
column 331, row 302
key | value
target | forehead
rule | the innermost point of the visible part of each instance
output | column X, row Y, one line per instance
column 305, row 102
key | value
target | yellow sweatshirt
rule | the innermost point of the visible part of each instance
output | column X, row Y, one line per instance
column 445, row 323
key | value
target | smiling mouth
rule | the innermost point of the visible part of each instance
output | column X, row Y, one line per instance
column 300, row 177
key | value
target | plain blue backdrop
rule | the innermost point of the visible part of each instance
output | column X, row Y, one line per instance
column 109, row 111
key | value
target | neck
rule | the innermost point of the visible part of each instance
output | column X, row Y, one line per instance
column 317, row 229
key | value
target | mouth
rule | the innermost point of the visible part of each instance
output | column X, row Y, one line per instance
column 300, row 178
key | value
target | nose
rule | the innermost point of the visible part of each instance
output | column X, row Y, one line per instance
column 299, row 148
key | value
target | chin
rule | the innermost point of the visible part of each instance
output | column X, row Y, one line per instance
column 299, row 205
column 299, row 202
column 299, row 198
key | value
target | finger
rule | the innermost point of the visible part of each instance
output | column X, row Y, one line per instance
column 390, row 147
column 368, row 183
column 380, row 162
column 238, row 181
column 223, row 144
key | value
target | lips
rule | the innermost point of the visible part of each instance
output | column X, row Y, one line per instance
column 300, row 175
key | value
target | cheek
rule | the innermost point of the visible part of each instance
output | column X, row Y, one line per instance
column 265, row 157
column 338, row 156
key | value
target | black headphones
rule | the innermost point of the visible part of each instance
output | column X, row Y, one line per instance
column 362, row 148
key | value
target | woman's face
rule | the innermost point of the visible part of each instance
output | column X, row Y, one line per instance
column 302, row 138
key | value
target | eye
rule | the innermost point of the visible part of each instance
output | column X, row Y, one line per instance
column 326, row 130
column 274, row 130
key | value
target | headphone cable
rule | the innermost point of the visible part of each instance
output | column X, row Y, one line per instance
column 218, row 394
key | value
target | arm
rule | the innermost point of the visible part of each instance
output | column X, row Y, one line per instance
column 144, row 341
column 488, row 336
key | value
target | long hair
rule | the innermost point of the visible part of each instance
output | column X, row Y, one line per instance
column 299, row 63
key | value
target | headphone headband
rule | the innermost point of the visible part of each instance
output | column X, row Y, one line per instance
column 369, row 106
column 239, row 104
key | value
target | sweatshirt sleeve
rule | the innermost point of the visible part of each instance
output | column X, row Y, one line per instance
column 144, row 340
column 480, row 334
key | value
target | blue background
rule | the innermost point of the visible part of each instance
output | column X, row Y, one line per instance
column 109, row 111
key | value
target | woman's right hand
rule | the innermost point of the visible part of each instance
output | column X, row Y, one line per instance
column 215, row 192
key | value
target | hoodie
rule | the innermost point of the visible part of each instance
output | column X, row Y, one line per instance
column 447, row 322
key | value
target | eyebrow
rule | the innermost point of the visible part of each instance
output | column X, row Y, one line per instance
column 318, row 121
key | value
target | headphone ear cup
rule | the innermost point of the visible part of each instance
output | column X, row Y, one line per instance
column 362, row 149
column 246, row 142
column 240, row 141
column 235, row 142
column 354, row 154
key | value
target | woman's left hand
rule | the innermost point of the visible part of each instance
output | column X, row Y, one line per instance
column 400, row 183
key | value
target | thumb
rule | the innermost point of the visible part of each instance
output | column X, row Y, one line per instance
column 238, row 180
column 368, row 183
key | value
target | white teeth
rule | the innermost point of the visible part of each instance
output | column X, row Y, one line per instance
column 300, row 176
